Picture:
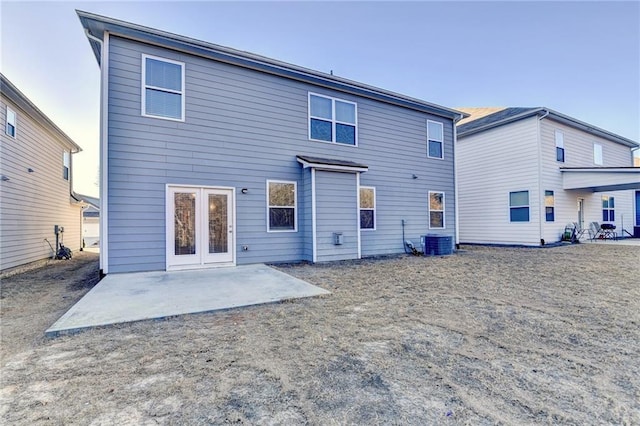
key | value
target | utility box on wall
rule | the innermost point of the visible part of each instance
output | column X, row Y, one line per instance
column 338, row 238
column 436, row 245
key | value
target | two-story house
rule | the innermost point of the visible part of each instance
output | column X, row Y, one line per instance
column 215, row 156
column 35, row 183
column 525, row 173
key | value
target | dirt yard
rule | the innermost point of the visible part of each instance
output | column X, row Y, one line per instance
column 486, row 336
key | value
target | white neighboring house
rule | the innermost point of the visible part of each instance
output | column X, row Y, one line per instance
column 525, row 173
column 35, row 182
column 90, row 221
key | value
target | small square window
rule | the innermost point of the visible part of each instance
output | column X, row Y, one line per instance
column 435, row 139
column 11, row 123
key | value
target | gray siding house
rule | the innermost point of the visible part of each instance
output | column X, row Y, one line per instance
column 212, row 156
column 35, row 182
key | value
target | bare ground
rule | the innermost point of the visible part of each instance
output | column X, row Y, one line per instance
column 486, row 336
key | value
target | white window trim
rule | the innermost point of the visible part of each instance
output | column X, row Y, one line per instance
column 66, row 163
column 143, row 87
column 553, row 194
column 517, row 207
column 14, row 123
column 334, row 121
column 444, row 223
column 295, row 206
column 375, row 215
column 609, row 209
column 559, row 138
column 435, row 140
column 597, row 152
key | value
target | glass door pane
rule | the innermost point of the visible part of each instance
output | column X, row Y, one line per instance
column 218, row 224
column 185, row 223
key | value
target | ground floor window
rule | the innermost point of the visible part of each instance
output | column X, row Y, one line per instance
column 436, row 210
column 549, row 206
column 281, row 206
column 519, row 206
column 608, row 213
column 367, row 207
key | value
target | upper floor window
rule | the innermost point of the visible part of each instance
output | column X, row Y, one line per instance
column 597, row 154
column 519, row 206
column 549, row 206
column 11, row 123
column 559, row 146
column 435, row 139
column 281, row 206
column 332, row 120
column 66, row 165
column 162, row 88
column 367, row 208
column 436, row 210
column 608, row 212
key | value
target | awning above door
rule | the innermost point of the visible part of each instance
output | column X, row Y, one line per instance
column 600, row 179
column 331, row 164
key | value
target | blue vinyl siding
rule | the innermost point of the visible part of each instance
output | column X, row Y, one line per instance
column 336, row 211
column 241, row 128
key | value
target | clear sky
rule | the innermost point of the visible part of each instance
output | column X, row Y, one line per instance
column 579, row 58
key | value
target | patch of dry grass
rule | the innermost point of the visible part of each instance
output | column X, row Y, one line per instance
column 489, row 335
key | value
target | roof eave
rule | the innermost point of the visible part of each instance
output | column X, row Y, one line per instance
column 97, row 25
column 559, row 117
column 526, row 114
column 19, row 98
column 594, row 130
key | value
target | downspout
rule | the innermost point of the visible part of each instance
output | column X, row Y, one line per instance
column 104, row 87
column 540, row 188
column 455, row 180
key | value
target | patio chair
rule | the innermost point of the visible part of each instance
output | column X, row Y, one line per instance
column 594, row 230
column 579, row 231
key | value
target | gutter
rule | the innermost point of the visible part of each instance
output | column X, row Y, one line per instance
column 104, row 87
column 255, row 62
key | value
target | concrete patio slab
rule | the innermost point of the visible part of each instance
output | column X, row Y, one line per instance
column 121, row 298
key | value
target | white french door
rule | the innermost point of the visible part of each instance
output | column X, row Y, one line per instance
column 200, row 224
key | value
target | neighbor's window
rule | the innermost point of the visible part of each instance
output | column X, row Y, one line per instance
column 11, row 123
column 435, row 139
column 162, row 88
column 281, row 206
column 597, row 154
column 519, row 206
column 549, row 206
column 332, row 120
column 559, row 146
column 367, row 207
column 66, row 165
column 608, row 213
column 436, row 210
